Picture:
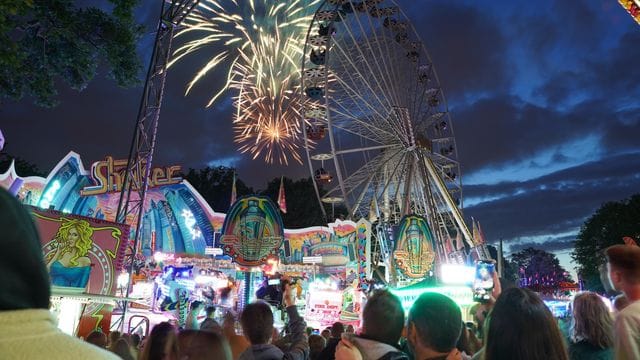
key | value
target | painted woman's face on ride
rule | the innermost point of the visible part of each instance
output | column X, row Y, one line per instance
column 73, row 236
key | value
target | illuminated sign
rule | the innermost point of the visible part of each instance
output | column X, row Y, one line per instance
column 109, row 175
column 323, row 306
column 414, row 253
column 252, row 231
column 312, row 259
column 462, row 295
column 213, row 251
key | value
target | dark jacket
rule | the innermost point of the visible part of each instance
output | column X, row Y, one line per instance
column 25, row 280
column 583, row 350
column 329, row 351
column 299, row 349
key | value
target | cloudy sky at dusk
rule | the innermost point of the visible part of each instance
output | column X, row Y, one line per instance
column 543, row 96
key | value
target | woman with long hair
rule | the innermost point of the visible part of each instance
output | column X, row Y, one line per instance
column 521, row 327
column 68, row 264
column 162, row 343
column 591, row 329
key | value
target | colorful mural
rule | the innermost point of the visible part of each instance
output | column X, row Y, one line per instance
column 83, row 255
column 336, row 244
column 414, row 254
column 252, row 231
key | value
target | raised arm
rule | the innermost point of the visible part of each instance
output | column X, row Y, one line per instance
column 299, row 345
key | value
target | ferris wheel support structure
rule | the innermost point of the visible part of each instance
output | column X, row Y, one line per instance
column 457, row 215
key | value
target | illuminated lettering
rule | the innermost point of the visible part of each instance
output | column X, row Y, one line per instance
column 109, row 176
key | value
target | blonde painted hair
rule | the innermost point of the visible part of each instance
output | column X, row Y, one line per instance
column 592, row 321
column 84, row 242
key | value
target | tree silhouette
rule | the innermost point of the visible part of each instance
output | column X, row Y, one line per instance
column 610, row 223
column 23, row 167
column 539, row 268
column 47, row 41
column 215, row 183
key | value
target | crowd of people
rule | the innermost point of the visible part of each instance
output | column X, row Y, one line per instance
column 514, row 324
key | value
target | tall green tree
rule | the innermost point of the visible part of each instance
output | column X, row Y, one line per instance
column 303, row 209
column 610, row 223
column 215, row 183
column 43, row 41
column 539, row 267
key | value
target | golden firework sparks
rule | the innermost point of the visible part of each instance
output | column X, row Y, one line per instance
column 260, row 43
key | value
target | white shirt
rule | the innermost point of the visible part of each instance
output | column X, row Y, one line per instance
column 627, row 329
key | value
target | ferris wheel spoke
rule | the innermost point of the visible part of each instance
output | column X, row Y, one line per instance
column 361, row 127
column 397, row 122
column 375, row 128
column 367, row 60
column 372, row 97
column 365, row 175
column 356, row 105
column 389, row 184
column 370, row 148
column 379, row 62
column 385, row 71
column 381, row 186
column 356, row 92
column 371, row 167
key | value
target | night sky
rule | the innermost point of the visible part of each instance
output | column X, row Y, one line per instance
column 543, row 96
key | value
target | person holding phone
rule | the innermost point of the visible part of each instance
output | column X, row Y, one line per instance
column 484, row 283
column 482, row 309
column 257, row 326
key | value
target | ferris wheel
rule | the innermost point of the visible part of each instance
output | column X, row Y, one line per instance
column 378, row 134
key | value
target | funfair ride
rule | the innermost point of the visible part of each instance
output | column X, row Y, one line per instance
column 378, row 134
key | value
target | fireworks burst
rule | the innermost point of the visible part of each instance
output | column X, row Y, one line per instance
column 268, row 102
column 262, row 43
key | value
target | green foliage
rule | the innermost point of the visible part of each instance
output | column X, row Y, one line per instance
column 610, row 223
column 541, row 265
column 43, row 41
column 214, row 184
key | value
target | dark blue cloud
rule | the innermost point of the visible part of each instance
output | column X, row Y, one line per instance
column 550, row 206
column 549, row 244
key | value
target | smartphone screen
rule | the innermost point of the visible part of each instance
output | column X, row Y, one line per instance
column 274, row 282
column 483, row 282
